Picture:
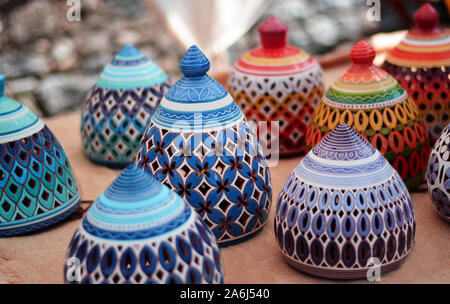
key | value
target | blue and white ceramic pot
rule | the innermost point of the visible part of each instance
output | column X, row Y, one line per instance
column 140, row 231
column 37, row 186
column 119, row 106
column 438, row 174
column 200, row 144
column 343, row 210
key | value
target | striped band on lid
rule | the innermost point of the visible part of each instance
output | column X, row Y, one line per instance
column 364, row 85
column 275, row 58
column 196, row 101
column 426, row 45
column 130, row 69
column 16, row 120
column 344, row 159
column 135, row 206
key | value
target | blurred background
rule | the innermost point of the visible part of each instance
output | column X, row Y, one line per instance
column 51, row 63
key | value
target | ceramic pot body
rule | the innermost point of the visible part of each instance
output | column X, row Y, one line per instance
column 200, row 144
column 139, row 231
column 119, row 106
column 343, row 205
column 438, row 174
column 370, row 100
column 37, row 186
column 421, row 63
column 278, row 83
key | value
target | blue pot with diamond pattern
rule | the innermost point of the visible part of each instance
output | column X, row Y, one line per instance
column 119, row 106
column 201, row 145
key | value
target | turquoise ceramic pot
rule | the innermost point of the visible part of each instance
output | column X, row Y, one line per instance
column 37, row 186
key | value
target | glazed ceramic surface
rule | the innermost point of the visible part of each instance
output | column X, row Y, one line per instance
column 139, row 231
column 278, row 82
column 119, row 107
column 342, row 205
column 421, row 63
column 438, row 174
column 200, row 144
column 37, row 186
column 373, row 102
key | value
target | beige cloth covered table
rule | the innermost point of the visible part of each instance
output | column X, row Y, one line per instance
column 39, row 257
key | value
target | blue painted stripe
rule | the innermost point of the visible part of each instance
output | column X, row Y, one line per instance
column 19, row 129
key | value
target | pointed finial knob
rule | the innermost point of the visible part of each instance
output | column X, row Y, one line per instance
column 129, row 51
column 273, row 33
column 362, row 53
column 2, row 85
column 194, row 63
column 426, row 18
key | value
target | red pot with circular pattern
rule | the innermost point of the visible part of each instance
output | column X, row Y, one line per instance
column 421, row 63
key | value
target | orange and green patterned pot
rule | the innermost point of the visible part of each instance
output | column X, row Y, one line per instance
column 278, row 83
column 375, row 105
column 421, row 63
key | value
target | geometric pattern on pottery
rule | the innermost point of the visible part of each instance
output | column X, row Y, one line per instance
column 370, row 100
column 119, row 106
column 331, row 227
column 37, row 186
column 438, row 174
column 429, row 88
column 222, row 174
column 188, row 255
column 113, row 122
column 421, row 63
column 200, row 144
column 139, row 231
column 291, row 100
column 397, row 132
column 276, row 82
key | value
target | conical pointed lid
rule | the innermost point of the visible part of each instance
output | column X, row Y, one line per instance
column 196, row 101
column 274, row 57
column 426, row 45
column 130, row 69
column 16, row 120
column 364, row 85
column 343, row 159
column 135, row 206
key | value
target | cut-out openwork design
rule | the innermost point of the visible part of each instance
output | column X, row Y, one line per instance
column 200, row 144
column 37, row 186
column 421, row 63
column 139, row 231
column 341, row 206
column 277, row 82
column 370, row 100
column 438, row 174
column 119, row 107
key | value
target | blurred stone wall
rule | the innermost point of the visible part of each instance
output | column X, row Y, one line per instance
column 50, row 63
